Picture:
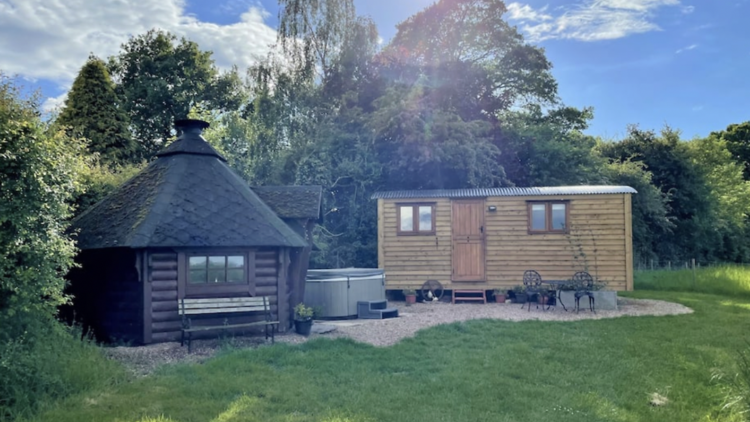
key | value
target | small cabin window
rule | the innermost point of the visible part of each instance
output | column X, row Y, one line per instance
column 214, row 269
column 548, row 217
column 416, row 219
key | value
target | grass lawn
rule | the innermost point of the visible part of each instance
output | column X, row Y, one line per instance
column 598, row 370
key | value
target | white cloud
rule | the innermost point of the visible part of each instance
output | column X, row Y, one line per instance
column 53, row 104
column 589, row 20
column 43, row 39
column 524, row 12
column 688, row 9
column 688, row 48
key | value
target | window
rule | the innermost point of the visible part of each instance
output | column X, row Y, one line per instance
column 216, row 269
column 216, row 272
column 415, row 219
column 548, row 217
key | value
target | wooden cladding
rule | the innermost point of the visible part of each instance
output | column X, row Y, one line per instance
column 167, row 283
column 598, row 225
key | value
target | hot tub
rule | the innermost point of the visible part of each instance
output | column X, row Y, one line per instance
column 336, row 292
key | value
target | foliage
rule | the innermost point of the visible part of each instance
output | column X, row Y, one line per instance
column 39, row 168
column 302, row 312
column 93, row 111
column 98, row 181
column 409, row 292
column 160, row 80
column 46, row 362
column 737, row 137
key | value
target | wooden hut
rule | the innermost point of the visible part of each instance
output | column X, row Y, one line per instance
column 482, row 239
column 187, row 226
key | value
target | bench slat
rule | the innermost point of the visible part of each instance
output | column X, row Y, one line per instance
column 220, row 310
column 216, row 327
column 221, row 305
column 227, row 300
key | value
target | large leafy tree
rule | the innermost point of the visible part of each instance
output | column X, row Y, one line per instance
column 39, row 166
column 93, row 111
column 474, row 60
column 161, row 78
column 737, row 137
column 685, row 187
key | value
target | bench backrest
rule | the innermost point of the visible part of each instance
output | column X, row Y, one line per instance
column 224, row 305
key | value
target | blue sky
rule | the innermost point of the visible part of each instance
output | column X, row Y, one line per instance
column 646, row 62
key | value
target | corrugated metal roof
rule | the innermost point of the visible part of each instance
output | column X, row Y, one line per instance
column 485, row 192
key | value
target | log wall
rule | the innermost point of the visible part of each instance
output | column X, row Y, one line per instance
column 166, row 273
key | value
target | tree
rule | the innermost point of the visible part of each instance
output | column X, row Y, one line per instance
column 474, row 60
column 549, row 149
column 92, row 111
column 160, row 80
column 685, row 187
column 737, row 137
column 38, row 176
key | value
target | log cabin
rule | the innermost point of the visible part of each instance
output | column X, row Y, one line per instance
column 484, row 239
column 187, row 226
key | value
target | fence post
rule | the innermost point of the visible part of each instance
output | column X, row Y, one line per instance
column 693, row 273
column 652, row 264
column 669, row 265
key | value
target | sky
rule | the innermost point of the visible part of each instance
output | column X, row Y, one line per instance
column 682, row 63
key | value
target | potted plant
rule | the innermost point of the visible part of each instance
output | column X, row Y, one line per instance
column 543, row 297
column 520, row 294
column 303, row 319
column 410, row 295
column 499, row 295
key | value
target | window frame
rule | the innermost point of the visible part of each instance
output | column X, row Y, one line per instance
column 415, row 219
column 548, row 217
column 247, row 286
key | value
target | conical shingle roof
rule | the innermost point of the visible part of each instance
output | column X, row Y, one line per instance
column 187, row 197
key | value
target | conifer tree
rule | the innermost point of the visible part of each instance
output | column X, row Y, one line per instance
column 92, row 111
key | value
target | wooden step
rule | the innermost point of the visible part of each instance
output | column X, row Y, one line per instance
column 459, row 295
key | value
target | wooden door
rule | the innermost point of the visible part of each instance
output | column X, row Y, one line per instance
column 468, row 240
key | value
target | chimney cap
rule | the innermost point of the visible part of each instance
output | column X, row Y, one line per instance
column 183, row 124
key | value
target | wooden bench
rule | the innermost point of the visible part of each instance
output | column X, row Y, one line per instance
column 191, row 307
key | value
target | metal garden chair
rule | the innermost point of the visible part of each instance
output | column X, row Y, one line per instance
column 532, row 283
column 584, row 287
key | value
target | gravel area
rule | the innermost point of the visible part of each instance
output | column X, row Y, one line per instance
column 145, row 359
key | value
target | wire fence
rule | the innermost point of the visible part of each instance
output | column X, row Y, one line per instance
column 655, row 264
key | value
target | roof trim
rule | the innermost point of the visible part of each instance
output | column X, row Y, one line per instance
column 510, row 191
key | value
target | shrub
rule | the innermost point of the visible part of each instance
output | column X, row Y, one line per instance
column 48, row 361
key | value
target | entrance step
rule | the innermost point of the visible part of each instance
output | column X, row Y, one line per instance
column 375, row 309
column 474, row 295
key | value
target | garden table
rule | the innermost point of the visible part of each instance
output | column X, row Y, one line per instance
column 557, row 285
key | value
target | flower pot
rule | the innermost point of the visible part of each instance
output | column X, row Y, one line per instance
column 520, row 298
column 542, row 299
column 303, row 326
column 500, row 298
column 411, row 299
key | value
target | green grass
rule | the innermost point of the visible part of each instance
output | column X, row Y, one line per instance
column 731, row 280
column 598, row 370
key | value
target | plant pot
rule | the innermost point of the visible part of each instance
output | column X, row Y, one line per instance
column 410, row 299
column 500, row 298
column 303, row 326
column 520, row 298
column 542, row 299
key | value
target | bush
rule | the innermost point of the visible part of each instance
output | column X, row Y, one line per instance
column 47, row 361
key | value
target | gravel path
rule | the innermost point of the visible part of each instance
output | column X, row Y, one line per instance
column 143, row 360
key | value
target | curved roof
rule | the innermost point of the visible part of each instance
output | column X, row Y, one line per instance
column 187, row 197
column 485, row 192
